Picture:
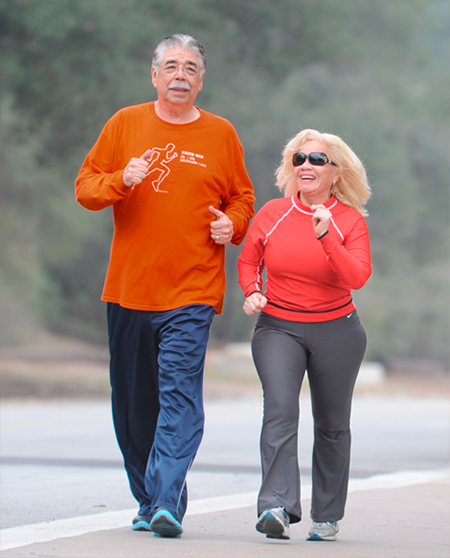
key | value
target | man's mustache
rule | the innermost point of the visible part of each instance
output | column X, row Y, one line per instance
column 180, row 85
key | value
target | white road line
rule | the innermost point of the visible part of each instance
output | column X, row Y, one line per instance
column 44, row 532
column 398, row 480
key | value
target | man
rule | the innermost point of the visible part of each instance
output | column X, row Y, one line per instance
column 175, row 177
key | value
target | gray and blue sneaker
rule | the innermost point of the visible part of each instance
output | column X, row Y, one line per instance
column 141, row 523
column 274, row 523
column 326, row 531
column 165, row 523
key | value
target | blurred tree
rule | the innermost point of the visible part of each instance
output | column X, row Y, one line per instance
column 372, row 71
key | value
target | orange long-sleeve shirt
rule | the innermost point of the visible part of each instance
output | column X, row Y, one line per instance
column 162, row 255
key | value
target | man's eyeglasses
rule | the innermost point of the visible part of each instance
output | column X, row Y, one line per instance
column 316, row 158
column 171, row 67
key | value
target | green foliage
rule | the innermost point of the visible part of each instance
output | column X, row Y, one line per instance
column 372, row 71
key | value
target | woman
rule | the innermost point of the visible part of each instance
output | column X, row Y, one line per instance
column 314, row 246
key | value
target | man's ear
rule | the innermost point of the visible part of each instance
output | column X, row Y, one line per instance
column 200, row 85
column 154, row 74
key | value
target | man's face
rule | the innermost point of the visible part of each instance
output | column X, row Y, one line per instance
column 179, row 78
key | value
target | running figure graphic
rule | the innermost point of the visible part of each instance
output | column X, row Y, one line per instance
column 155, row 165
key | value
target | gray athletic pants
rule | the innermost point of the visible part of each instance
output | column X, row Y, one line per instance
column 332, row 353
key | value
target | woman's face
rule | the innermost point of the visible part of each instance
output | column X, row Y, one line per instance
column 314, row 183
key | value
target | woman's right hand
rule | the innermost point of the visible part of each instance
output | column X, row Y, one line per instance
column 254, row 304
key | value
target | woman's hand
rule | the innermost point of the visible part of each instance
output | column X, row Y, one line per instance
column 254, row 304
column 321, row 219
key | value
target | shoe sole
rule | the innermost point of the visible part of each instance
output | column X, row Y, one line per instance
column 318, row 538
column 165, row 525
column 271, row 527
column 141, row 526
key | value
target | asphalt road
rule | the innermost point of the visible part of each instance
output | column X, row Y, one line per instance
column 60, row 458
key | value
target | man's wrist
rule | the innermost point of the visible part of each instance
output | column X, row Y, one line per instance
column 232, row 227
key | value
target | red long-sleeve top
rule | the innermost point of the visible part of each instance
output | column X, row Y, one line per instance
column 308, row 280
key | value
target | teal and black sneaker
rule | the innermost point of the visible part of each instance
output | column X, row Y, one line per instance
column 141, row 523
column 165, row 523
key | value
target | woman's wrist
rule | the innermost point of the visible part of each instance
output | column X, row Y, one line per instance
column 254, row 292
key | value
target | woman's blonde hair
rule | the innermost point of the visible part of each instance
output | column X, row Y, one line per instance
column 352, row 188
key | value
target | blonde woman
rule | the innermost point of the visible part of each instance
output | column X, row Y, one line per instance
column 314, row 246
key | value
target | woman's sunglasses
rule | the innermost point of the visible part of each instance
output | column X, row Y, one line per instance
column 316, row 158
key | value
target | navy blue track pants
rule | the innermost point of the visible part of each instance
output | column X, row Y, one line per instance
column 156, row 373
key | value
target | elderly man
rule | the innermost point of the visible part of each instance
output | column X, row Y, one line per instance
column 175, row 177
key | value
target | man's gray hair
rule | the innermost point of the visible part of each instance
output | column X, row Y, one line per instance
column 186, row 42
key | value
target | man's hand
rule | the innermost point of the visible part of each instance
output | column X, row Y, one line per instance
column 222, row 229
column 136, row 170
column 254, row 304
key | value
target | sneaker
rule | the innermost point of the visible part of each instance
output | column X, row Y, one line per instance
column 274, row 523
column 164, row 523
column 141, row 523
column 323, row 531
